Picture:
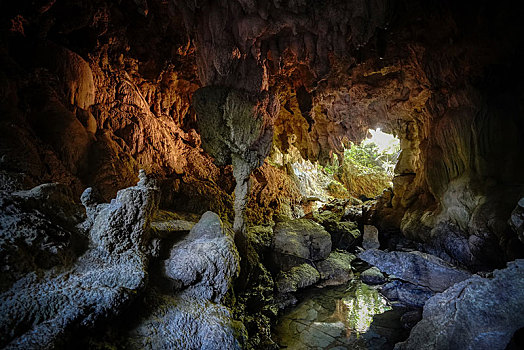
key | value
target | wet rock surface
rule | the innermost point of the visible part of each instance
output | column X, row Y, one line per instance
column 477, row 313
column 351, row 316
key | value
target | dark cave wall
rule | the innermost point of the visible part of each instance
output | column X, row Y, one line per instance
column 91, row 92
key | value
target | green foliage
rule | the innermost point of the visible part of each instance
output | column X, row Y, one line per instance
column 368, row 158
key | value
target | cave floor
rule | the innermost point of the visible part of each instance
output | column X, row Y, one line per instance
column 351, row 316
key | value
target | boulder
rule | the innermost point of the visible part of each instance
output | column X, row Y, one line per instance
column 297, row 278
column 344, row 235
column 187, row 323
column 477, row 313
column 372, row 276
column 417, row 268
column 206, row 261
column 370, row 237
column 406, row 293
column 299, row 241
column 336, row 269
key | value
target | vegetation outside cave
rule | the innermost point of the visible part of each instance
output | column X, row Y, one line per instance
column 366, row 169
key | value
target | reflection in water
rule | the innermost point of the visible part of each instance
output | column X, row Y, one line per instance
column 360, row 307
column 334, row 318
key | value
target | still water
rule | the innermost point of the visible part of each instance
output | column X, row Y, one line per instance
column 353, row 316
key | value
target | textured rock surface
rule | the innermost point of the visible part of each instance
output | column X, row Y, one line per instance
column 37, row 231
column 296, row 278
column 41, row 310
column 516, row 220
column 370, row 237
column 417, row 268
column 344, row 235
column 183, row 308
column 336, row 268
column 206, row 262
column 298, row 241
column 372, row 276
column 407, row 293
column 187, row 323
column 478, row 313
column 236, row 129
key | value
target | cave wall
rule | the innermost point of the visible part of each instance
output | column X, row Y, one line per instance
column 91, row 92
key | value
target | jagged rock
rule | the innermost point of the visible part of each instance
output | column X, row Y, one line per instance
column 298, row 241
column 187, row 323
column 415, row 267
column 124, row 223
column 516, row 221
column 296, row 278
column 370, row 237
column 37, row 231
column 406, row 293
column 372, row 276
column 336, row 268
column 477, row 313
column 40, row 310
column 206, row 261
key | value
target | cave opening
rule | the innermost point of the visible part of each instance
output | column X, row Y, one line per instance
column 261, row 174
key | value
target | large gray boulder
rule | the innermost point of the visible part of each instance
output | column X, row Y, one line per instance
column 478, row 313
column 299, row 241
column 201, row 268
column 187, row 323
column 206, row 262
column 40, row 310
column 417, row 268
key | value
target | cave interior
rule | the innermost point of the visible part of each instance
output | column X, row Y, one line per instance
column 200, row 174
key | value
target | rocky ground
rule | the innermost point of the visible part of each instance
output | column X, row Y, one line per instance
column 124, row 274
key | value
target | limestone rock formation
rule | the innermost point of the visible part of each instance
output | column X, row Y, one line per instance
column 370, row 237
column 37, row 231
column 205, row 263
column 406, row 293
column 296, row 278
column 187, row 323
column 372, row 276
column 298, row 241
column 477, row 313
column 417, row 268
column 42, row 310
column 336, row 268
column 344, row 234
column 235, row 129
column 516, row 220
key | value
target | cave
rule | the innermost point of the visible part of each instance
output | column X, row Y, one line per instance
column 182, row 174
